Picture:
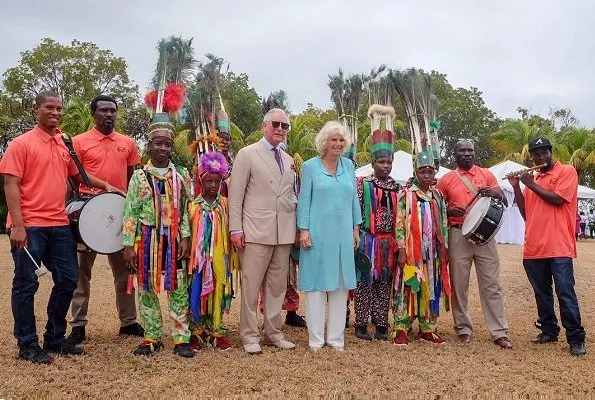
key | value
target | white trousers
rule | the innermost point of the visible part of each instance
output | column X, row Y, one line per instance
column 315, row 317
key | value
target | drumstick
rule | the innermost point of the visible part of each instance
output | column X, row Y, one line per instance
column 471, row 201
column 40, row 271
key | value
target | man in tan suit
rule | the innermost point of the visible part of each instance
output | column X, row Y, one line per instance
column 262, row 205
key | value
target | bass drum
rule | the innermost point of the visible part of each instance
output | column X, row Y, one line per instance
column 97, row 222
column 483, row 221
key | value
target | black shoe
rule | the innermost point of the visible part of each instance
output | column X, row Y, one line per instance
column 544, row 338
column 184, row 350
column 35, row 354
column 132, row 330
column 362, row 332
column 292, row 319
column 148, row 348
column 381, row 333
column 65, row 348
column 578, row 349
column 77, row 335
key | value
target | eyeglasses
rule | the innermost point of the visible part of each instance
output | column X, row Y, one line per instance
column 284, row 125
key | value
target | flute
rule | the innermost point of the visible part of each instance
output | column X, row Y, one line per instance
column 522, row 171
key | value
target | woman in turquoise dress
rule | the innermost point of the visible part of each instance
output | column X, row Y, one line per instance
column 328, row 218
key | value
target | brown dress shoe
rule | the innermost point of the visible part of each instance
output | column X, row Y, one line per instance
column 503, row 342
column 464, row 338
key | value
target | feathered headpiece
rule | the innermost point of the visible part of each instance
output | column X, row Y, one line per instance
column 212, row 163
column 168, row 97
column 382, row 140
column 415, row 90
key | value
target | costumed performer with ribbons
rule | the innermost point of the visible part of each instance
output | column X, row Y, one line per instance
column 212, row 259
column 157, row 229
column 377, row 195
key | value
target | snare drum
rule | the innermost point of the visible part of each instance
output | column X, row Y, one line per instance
column 97, row 222
column 483, row 220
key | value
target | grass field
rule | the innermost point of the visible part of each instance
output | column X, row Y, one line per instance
column 480, row 368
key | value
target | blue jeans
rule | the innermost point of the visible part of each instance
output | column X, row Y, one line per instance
column 56, row 248
column 541, row 272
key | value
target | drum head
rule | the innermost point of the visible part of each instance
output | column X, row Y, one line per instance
column 100, row 223
column 475, row 215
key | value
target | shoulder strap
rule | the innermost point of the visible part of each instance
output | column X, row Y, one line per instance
column 68, row 142
column 466, row 182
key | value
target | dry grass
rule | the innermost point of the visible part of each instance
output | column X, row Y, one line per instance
column 454, row 370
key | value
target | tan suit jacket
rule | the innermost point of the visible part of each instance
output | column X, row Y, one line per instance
column 262, row 202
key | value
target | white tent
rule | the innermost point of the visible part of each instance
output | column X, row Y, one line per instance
column 513, row 226
column 402, row 168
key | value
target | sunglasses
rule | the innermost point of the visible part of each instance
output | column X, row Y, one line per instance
column 284, row 125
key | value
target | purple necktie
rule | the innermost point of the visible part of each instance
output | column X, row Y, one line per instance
column 278, row 159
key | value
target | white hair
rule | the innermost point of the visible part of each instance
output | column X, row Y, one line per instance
column 269, row 114
column 329, row 129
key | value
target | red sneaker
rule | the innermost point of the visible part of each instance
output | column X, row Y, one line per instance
column 401, row 339
column 430, row 337
column 221, row 343
column 195, row 343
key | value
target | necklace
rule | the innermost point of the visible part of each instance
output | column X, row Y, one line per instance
column 332, row 171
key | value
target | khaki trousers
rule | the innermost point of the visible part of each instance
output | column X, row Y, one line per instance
column 461, row 254
column 125, row 303
column 266, row 265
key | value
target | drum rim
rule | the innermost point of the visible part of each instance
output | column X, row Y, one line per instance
column 481, row 221
column 478, row 222
column 81, row 212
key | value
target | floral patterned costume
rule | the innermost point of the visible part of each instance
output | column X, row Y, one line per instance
column 155, row 221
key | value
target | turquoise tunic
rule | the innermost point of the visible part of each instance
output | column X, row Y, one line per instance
column 329, row 208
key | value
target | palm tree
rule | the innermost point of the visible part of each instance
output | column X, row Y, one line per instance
column 581, row 147
column 513, row 138
column 77, row 118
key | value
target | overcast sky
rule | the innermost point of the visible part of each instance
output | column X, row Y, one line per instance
column 532, row 53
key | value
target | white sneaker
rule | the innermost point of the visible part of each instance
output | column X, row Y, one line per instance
column 315, row 349
column 282, row 344
column 252, row 348
column 338, row 348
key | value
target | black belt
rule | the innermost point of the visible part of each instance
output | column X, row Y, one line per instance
column 457, row 226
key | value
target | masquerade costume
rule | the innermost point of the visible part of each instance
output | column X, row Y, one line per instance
column 422, row 285
column 212, row 260
column 155, row 223
column 378, row 201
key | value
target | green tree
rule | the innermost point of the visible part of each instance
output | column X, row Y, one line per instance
column 77, row 118
column 580, row 144
column 242, row 102
column 15, row 118
column 463, row 115
column 511, row 141
column 80, row 70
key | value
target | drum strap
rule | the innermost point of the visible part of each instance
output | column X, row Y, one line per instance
column 77, row 161
column 467, row 182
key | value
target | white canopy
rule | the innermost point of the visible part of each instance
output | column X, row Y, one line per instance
column 402, row 168
column 513, row 225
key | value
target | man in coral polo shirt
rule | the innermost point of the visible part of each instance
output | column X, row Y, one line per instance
column 550, row 198
column 109, row 156
column 459, row 187
column 35, row 168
